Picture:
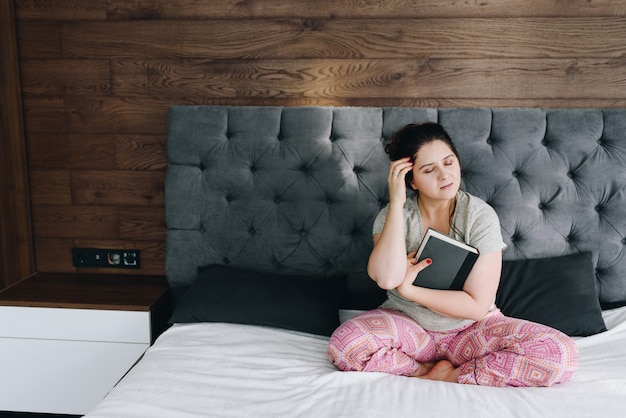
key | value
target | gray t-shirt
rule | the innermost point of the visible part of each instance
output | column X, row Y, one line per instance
column 476, row 223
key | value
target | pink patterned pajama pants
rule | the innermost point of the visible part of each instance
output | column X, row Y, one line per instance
column 496, row 351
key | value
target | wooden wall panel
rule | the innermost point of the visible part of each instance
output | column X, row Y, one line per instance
column 99, row 77
column 344, row 38
column 16, row 246
column 229, row 9
column 50, row 187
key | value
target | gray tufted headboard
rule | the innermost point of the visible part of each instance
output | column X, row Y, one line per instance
column 296, row 189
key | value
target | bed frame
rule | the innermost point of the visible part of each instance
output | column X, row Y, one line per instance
column 293, row 192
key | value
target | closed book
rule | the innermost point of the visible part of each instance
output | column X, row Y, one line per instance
column 452, row 261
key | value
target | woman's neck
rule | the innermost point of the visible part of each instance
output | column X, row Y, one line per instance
column 436, row 214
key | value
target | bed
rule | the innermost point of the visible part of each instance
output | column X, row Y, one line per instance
column 269, row 213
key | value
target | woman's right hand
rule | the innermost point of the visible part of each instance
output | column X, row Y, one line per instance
column 397, row 174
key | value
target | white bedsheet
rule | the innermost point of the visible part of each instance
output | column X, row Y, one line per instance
column 226, row 370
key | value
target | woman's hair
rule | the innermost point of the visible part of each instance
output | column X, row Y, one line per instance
column 407, row 141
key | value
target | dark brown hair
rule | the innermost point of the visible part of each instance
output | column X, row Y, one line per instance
column 407, row 142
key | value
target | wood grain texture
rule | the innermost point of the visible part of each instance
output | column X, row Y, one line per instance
column 39, row 40
column 236, row 9
column 127, row 292
column 61, row 9
column 16, row 247
column 50, row 187
column 117, row 115
column 54, row 255
column 393, row 78
column 44, row 114
column 98, row 78
column 66, row 77
column 343, row 38
column 71, row 151
column 142, row 224
column 140, row 152
column 93, row 187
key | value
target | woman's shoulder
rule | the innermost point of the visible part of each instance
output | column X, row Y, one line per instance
column 472, row 204
column 469, row 200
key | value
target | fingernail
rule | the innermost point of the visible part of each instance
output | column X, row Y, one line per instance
column 428, row 261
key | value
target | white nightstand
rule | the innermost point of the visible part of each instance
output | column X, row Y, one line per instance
column 66, row 340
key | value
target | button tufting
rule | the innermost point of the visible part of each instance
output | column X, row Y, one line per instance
column 201, row 166
column 226, row 260
column 252, row 230
column 201, row 229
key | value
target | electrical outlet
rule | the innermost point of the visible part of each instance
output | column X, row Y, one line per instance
column 107, row 258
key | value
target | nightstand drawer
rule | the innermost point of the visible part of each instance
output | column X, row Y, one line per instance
column 75, row 324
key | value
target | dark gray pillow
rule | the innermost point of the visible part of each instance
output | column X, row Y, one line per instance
column 226, row 294
column 558, row 291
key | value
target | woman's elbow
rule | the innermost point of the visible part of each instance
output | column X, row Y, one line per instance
column 384, row 281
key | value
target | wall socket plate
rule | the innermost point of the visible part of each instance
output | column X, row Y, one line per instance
column 107, row 258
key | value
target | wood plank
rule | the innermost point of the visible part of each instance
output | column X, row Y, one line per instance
column 44, row 114
column 142, row 224
column 601, row 37
column 580, row 102
column 125, row 188
column 16, row 247
column 71, row 151
column 55, row 77
column 389, row 78
column 119, row 115
column 61, row 9
column 54, row 255
column 75, row 221
column 39, row 40
column 140, row 152
column 50, row 187
column 237, row 9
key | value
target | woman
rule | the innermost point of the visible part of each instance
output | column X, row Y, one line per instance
column 448, row 335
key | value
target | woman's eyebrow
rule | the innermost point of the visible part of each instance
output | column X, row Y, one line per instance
column 443, row 159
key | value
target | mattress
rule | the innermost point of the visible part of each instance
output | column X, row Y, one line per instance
column 232, row 370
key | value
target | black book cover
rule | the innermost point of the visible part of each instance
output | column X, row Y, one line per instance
column 452, row 261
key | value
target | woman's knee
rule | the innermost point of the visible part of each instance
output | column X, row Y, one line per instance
column 378, row 340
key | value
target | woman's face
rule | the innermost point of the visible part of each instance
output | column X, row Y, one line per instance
column 436, row 171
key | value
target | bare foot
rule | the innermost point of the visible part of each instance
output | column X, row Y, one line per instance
column 443, row 371
column 424, row 369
